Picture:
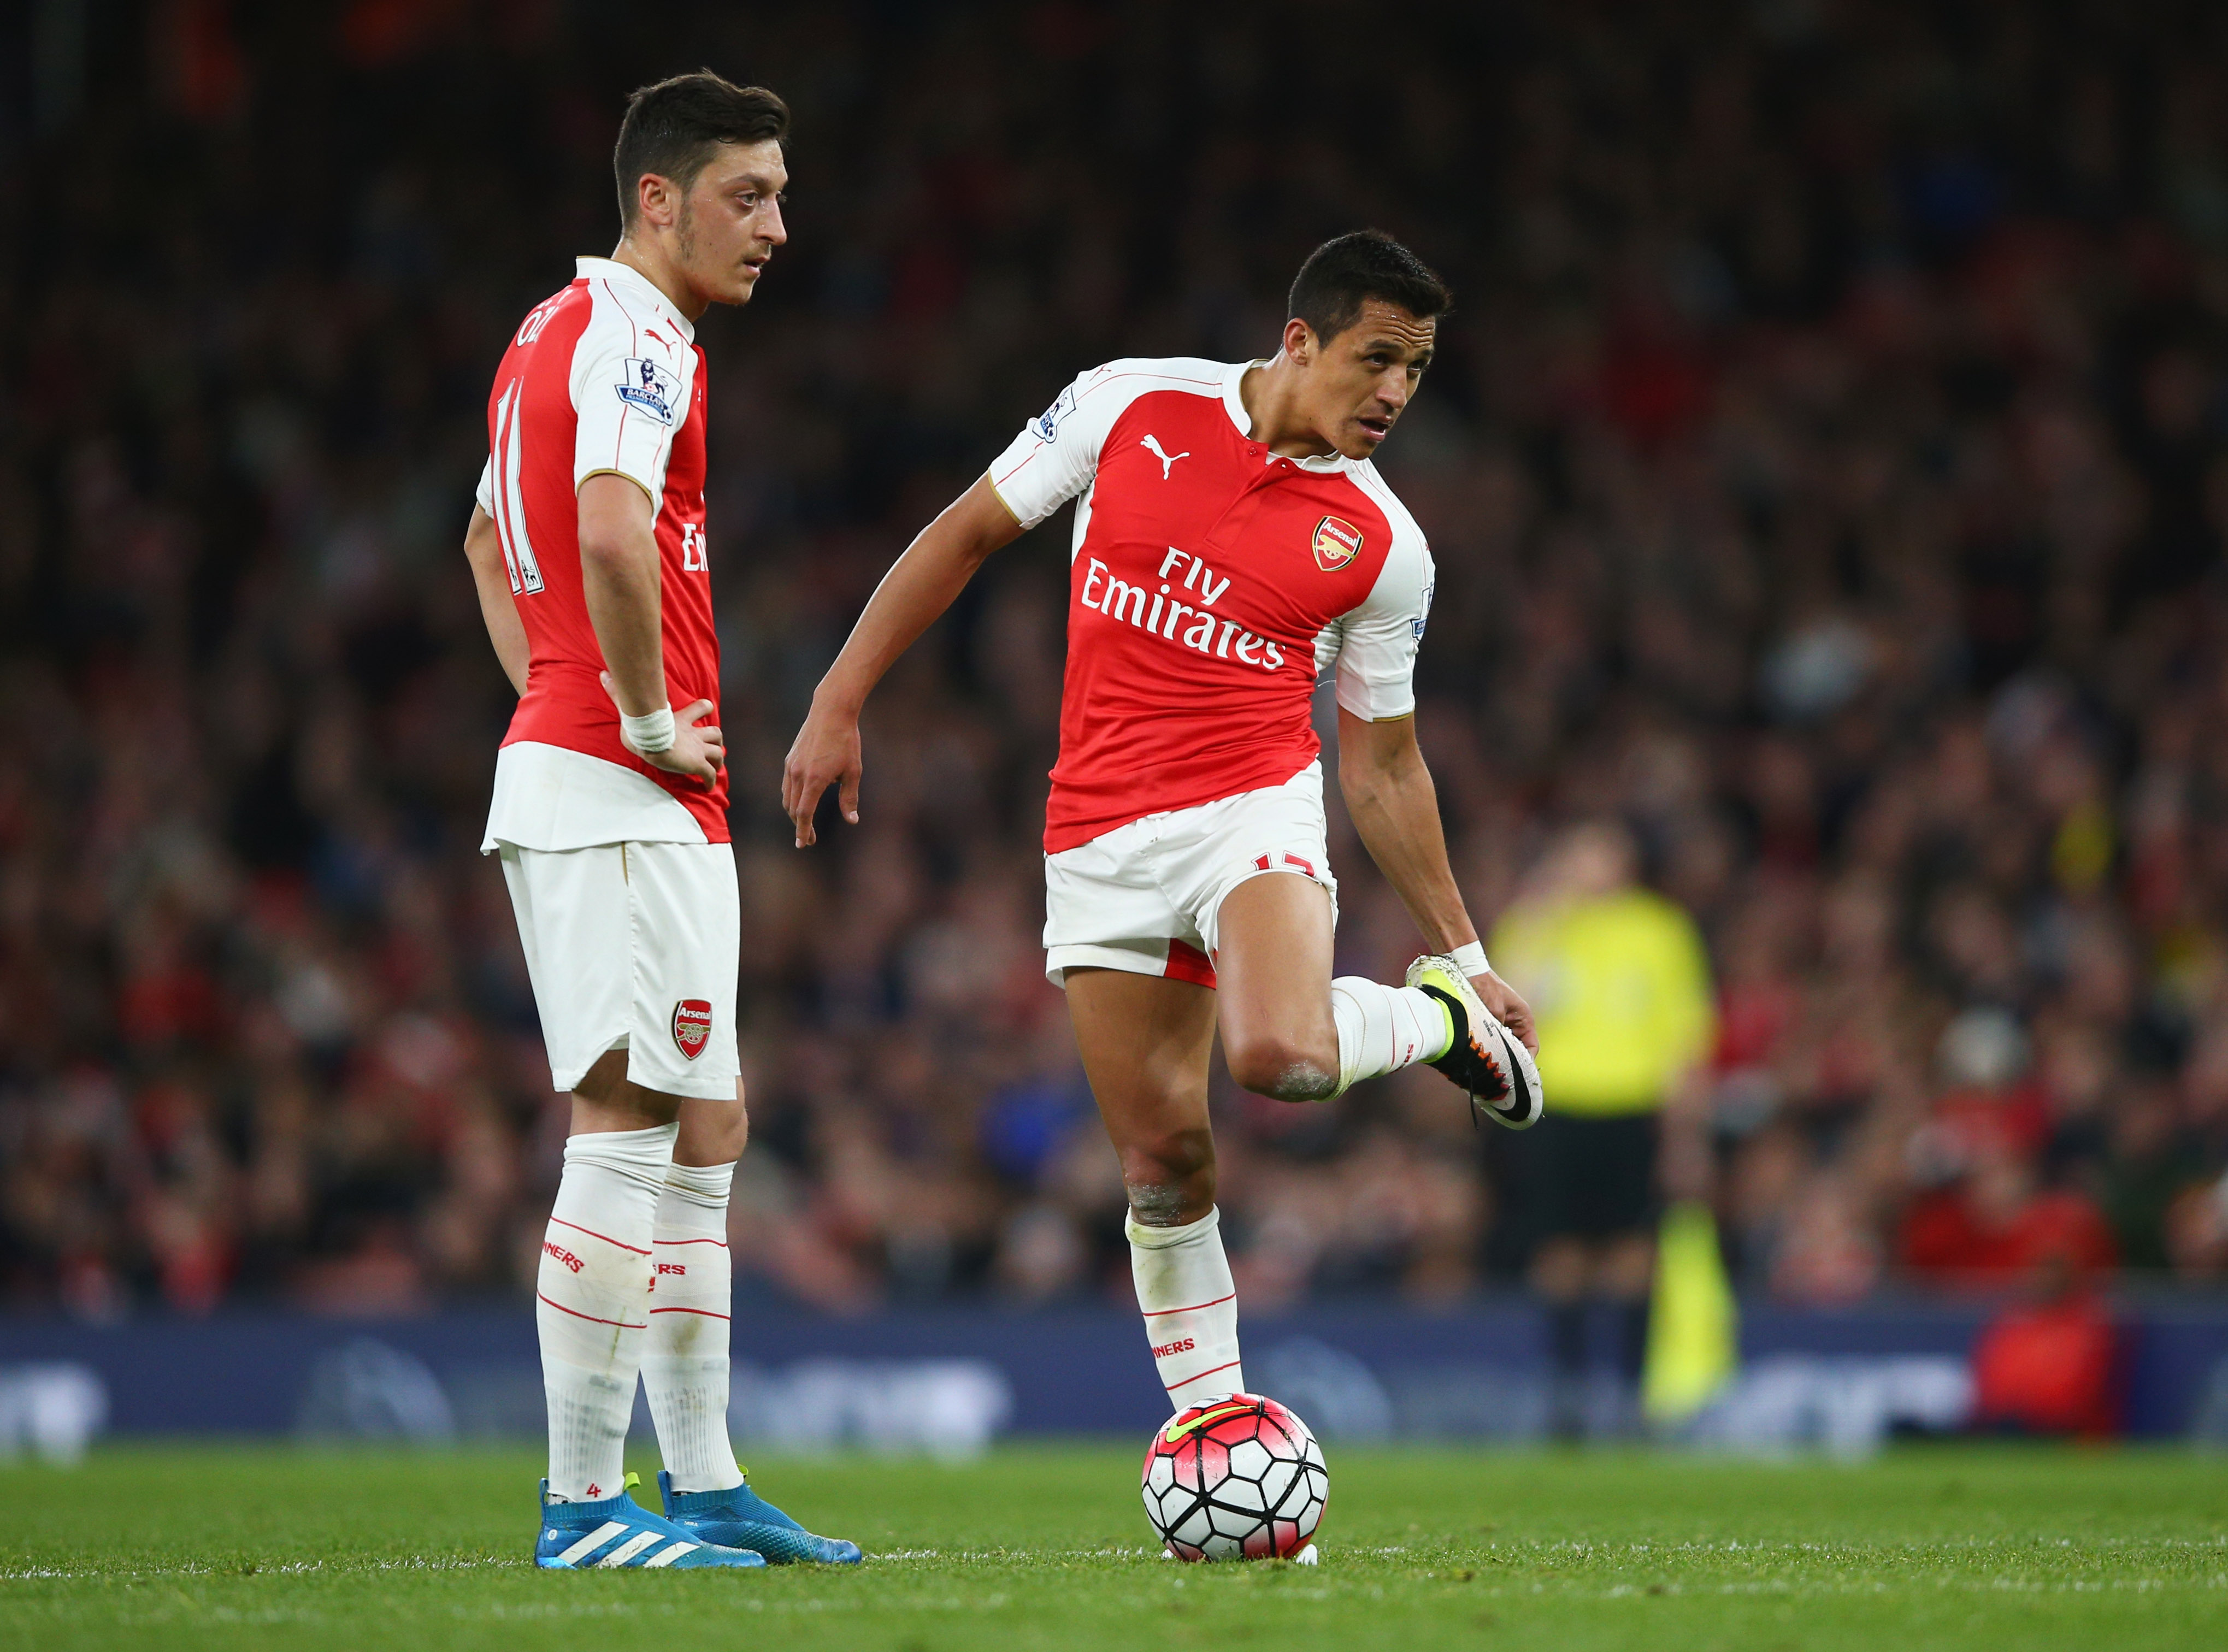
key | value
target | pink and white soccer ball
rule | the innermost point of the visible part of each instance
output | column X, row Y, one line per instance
column 1240, row 1478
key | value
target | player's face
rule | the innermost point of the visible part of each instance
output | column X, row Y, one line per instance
column 730, row 221
column 1359, row 382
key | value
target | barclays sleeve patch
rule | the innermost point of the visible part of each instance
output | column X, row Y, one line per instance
column 1422, row 610
column 652, row 388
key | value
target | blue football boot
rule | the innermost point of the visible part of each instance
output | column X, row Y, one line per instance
column 619, row 1532
column 741, row 1519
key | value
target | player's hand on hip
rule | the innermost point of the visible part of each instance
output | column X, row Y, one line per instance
column 825, row 753
column 1509, row 1008
column 699, row 749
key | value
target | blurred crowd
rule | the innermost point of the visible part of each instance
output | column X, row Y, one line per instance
column 1825, row 466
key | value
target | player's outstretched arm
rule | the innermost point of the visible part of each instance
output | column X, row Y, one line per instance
column 621, row 581
column 1396, row 808
column 918, row 587
column 483, row 550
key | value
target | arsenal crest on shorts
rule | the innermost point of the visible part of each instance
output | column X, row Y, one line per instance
column 692, row 1026
column 1338, row 541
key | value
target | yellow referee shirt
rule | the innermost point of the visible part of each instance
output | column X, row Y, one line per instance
column 1620, row 989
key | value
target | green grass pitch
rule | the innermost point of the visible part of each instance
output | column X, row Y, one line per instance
column 1047, row 1547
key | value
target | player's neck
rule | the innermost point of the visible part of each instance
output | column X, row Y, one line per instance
column 653, row 267
column 1271, row 396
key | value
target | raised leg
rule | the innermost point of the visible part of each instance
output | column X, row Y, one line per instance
column 1288, row 1030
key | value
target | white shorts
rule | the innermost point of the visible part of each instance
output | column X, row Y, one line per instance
column 1147, row 897
column 633, row 947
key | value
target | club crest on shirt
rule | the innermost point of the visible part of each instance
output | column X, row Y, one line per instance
column 650, row 386
column 692, row 1026
column 1337, row 542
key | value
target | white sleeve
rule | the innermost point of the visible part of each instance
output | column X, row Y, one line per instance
column 1056, row 456
column 630, row 391
column 484, row 494
column 1375, row 645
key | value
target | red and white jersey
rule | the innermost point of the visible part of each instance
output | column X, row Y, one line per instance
column 1211, row 584
column 602, row 377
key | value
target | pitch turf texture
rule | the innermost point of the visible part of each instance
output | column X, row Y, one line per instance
column 2016, row 1547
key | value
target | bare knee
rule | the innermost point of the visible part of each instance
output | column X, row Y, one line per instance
column 1287, row 1069
column 1170, row 1178
column 712, row 1132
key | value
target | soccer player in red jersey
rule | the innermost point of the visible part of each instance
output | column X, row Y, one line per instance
column 610, row 812
column 1232, row 541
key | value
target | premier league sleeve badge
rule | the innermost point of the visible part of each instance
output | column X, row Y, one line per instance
column 651, row 387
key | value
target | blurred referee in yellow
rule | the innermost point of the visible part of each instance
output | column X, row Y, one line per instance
column 1619, row 986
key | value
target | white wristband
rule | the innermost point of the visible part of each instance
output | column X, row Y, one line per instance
column 651, row 732
column 1470, row 960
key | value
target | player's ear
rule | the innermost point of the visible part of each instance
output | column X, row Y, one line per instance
column 1299, row 341
column 656, row 201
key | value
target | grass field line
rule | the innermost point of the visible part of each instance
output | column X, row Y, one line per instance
column 275, row 1568
column 1494, row 1554
column 1322, row 1586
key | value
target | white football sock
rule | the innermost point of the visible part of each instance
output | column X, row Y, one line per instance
column 1190, row 1305
column 685, row 1361
column 595, row 1272
column 1382, row 1029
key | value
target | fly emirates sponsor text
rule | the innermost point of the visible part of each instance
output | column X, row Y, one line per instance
column 1163, row 612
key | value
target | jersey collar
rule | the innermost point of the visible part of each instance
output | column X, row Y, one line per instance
column 1235, row 405
column 634, row 284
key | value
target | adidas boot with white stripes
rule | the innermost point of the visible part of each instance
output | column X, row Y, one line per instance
column 744, row 1520
column 619, row 1532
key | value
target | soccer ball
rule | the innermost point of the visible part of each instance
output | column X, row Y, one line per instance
column 1240, row 1478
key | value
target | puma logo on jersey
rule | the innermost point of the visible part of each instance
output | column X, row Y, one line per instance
column 1152, row 444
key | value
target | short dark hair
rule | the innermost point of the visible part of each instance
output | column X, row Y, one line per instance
column 1342, row 274
column 673, row 128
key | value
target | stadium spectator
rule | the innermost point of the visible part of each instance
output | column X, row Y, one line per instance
column 2051, row 1365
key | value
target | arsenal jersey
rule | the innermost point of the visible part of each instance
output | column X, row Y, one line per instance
column 1211, row 582
column 604, row 376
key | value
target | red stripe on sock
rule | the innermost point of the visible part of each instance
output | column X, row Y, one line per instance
column 1157, row 1312
column 624, row 1325
column 1188, row 1381
column 707, row 1312
column 722, row 1244
column 591, row 1233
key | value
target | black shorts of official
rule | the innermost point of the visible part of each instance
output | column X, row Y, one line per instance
column 1583, row 1177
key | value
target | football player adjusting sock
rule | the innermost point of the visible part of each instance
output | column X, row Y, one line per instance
column 1190, row 1305
column 685, row 1366
column 1382, row 1029
column 592, row 1294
